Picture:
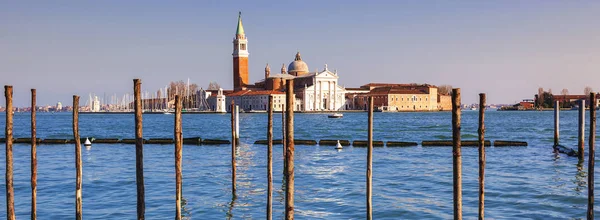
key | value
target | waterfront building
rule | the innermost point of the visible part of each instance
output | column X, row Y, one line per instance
column 399, row 97
column 59, row 107
column 95, row 104
column 444, row 102
column 215, row 100
column 314, row 91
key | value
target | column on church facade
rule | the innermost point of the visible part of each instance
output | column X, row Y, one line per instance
column 335, row 96
column 320, row 94
column 315, row 95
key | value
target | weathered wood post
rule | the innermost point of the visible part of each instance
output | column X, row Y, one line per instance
column 33, row 157
column 78, row 165
column 233, row 148
column 283, row 134
column 270, row 160
column 556, row 122
column 481, row 132
column 237, row 125
column 178, row 155
column 370, row 162
column 289, row 156
column 581, row 135
column 456, row 152
column 10, row 193
column 592, row 157
column 139, row 150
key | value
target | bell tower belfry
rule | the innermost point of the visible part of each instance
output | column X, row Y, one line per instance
column 240, row 57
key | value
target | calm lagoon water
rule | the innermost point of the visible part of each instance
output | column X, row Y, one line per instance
column 408, row 183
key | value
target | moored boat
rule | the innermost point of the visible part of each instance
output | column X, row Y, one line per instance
column 335, row 115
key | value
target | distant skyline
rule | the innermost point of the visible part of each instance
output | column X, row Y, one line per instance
column 506, row 49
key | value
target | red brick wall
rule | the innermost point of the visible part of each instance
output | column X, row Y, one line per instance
column 240, row 72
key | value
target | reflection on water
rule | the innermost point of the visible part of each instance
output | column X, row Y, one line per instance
column 229, row 214
column 408, row 183
column 580, row 178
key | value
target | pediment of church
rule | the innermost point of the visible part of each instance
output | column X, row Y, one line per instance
column 327, row 74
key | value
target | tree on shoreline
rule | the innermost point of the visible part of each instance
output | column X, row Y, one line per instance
column 213, row 86
column 587, row 90
column 445, row 89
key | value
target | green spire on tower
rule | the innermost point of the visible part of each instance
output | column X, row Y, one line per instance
column 240, row 28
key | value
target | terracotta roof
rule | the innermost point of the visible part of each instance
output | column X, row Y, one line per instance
column 255, row 92
column 397, row 85
column 399, row 90
column 265, row 92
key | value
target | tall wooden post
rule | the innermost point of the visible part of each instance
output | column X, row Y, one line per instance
column 481, row 132
column 10, row 193
column 270, row 161
column 556, row 122
column 78, row 165
column 237, row 125
column 33, row 157
column 283, row 134
column 370, row 162
column 581, row 142
column 139, row 150
column 233, row 148
column 456, row 158
column 178, row 155
column 592, row 157
column 289, row 156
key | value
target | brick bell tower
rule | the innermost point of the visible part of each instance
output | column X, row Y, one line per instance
column 240, row 57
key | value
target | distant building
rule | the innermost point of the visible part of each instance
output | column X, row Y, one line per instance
column 59, row 107
column 444, row 102
column 215, row 100
column 526, row 104
column 95, row 105
column 249, row 100
column 398, row 97
column 314, row 91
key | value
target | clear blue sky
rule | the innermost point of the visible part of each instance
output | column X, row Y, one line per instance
column 504, row 48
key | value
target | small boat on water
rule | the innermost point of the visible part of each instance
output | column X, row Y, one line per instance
column 335, row 115
column 87, row 144
column 338, row 146
column 167, row 113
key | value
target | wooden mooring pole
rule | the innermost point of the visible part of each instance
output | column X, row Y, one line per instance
column 139, row 150
column 233, row 148
column 481, row 132
column 237, row 125
column 556, row 122
column 33, row 157
column 370, row 161
column 78, row 165
column 289, row 156
column 10, row 193
column 581, row 136
column 178, row 155
column 270, row 161
column 283, row 134
column 456, row 152
column 592, row 157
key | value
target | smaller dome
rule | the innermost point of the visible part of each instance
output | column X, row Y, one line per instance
column 298, row 66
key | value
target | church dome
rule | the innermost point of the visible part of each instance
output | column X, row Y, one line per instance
column 298, row 66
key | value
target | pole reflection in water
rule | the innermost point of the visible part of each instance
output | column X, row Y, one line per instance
column 580, row 178
column 185, row 212
column 229, row 214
